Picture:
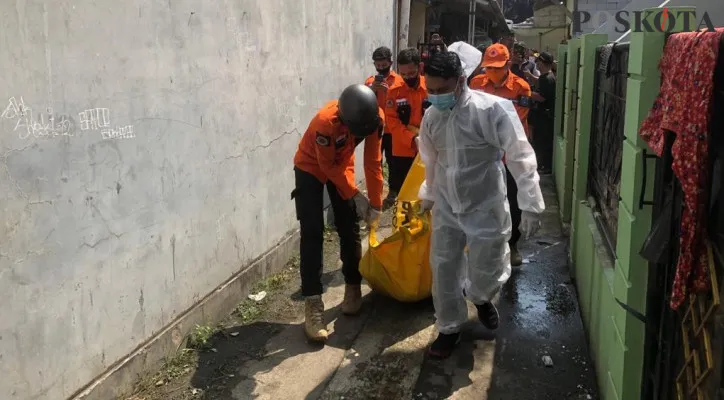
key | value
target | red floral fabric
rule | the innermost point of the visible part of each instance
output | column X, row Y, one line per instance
column 683, row 107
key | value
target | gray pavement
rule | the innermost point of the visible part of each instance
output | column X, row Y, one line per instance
column 381, row 354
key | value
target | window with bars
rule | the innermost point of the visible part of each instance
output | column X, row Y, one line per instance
column 607, row 136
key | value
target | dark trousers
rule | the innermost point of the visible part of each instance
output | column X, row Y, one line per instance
column 308, row 198
column 386, row 147
column 398, row 169
column 515, row 212
column 543, row 141
column 386, row 144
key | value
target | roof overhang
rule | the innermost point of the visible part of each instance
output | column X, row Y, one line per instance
column 528, row 30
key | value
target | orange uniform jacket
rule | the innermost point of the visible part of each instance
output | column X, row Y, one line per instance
column 512, row 89
column 403, row 99
column 327, row 152
column 391, row 80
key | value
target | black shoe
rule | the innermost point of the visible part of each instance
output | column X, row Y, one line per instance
column 488, row 315
column 516, row 260
column 388, row 203
column 444, row 345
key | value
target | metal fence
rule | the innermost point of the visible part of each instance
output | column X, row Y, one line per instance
column 607, row 136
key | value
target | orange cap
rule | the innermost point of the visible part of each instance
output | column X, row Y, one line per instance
column 496, row 56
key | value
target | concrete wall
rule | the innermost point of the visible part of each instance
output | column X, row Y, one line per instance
column 550, row 17
column 547, row 32
column 146, row 157
column 542, row 39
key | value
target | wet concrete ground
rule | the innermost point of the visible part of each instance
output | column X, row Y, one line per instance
column 381, row 353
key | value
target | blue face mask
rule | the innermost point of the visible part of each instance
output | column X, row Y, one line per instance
column 444, row 101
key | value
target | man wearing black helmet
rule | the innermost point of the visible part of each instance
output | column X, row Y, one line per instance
column 326, row 157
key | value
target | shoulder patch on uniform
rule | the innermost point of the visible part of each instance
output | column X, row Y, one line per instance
column 340, row 141
column 322, row 140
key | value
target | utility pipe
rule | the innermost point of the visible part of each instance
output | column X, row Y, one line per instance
column 471, row 22
column 404, row 24
column 395, row 27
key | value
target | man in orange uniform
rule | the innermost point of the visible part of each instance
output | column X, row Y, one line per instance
column 499, row 81
column 405, row 106
column 380, row 84
column 326, row 157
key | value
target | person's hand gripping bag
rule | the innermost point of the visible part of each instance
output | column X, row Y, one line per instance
column 399, row 266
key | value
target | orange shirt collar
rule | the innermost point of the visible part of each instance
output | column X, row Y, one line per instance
column 508, row 84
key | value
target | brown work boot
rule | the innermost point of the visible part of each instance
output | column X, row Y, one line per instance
column 516, row 260
column 352, row 299
column 314, row 325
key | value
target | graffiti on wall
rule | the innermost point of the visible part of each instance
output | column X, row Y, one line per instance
column 94, row 119
column 40, row 125
column 28, row 124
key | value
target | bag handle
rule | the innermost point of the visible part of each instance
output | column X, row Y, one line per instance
column 424, row 219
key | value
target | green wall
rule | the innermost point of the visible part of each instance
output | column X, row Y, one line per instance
column 564, row 140
column 616, row 338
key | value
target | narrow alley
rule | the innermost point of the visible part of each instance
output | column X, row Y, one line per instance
column 260, row 351
column 195, row 195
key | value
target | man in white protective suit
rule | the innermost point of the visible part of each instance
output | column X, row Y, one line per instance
column 462, row 140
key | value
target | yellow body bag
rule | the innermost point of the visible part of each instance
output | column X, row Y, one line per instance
column 399, row 265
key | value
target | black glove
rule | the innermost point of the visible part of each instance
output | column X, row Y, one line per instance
column 404, row 111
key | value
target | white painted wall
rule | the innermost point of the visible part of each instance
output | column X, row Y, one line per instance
column 105, row 240
column 418, row 18
column 548, row 31
column 550, row 17
column 549, row 41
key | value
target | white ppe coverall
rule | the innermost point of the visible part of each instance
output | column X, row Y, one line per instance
column 462, row 150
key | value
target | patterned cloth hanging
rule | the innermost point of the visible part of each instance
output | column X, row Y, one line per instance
column 683, row 107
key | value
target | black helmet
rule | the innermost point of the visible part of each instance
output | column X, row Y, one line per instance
column 358, row 110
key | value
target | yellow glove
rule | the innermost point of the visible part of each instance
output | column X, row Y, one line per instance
column 373, row 217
